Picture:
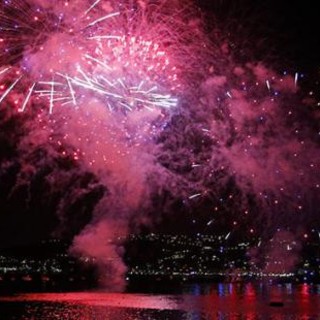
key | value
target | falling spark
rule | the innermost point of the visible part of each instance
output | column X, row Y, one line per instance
column 108, row 16
column 9, row 89
column 101, row 63
column 195, row 196
column 27, row 98
column 296, row 78
column 92, row 6
column 51, row 97
column 268, row 85
column 71, row 91
column 4, row 70
column 105, row 37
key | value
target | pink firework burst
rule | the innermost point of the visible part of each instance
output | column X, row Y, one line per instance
column 71, row 52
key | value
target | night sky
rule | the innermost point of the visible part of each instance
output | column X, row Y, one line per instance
column 286, row 32
column 239, row 152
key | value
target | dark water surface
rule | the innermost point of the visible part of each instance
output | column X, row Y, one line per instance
column 196, row 302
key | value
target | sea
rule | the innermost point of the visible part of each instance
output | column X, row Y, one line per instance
column 221, row 301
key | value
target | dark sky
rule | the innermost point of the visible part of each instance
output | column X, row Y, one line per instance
column 291, row 27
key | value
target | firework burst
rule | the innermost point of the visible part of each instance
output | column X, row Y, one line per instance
column 97, row 51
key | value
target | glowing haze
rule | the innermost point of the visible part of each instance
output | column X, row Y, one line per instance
column 133, row 95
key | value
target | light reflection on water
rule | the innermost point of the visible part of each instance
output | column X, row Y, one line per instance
column 197, row 302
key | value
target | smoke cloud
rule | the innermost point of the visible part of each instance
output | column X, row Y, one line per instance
column 148, row 119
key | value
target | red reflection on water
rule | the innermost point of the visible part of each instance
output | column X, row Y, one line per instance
column 304, row 301
column 121, row 300
column 247, row 301
column 305, row 290
column 250, row 292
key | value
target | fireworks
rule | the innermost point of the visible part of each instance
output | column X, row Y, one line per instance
column 66, row 61
column 130, row 56
column 233, row 151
